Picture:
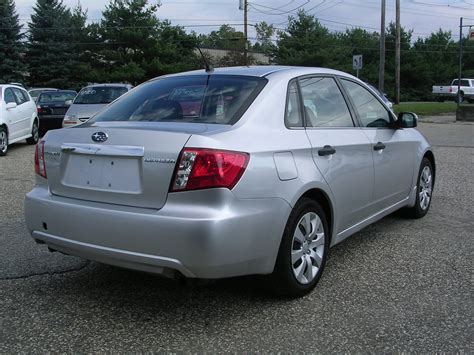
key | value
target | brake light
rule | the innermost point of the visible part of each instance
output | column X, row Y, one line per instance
column 450, row 89
column 39, row 109
column 40, row 165
column 200, row 168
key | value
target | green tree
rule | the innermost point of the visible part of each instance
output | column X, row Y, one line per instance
column 11, row 64
column 50, row 52
column 305, row 42
column 264, row 42
column 138, row 46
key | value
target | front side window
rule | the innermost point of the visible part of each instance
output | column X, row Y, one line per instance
column 293, row 116
column 9, row 97
column 369, row 109
column 324, row 104
column 99, row 95
column 218, row 99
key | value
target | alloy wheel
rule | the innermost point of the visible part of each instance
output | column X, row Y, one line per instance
column 425, row 187
column 3, row 141
column 307, row 248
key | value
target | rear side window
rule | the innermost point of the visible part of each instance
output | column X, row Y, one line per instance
column 21, row 98
column 369, row 109
column 463, row 83
column 99, row 95
column 324, row 105
column 218, row 99
column 293, row 116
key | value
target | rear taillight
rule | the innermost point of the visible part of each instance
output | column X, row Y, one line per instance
column 450, row 89
column 200, row 168
column 40, row 165
column 39, row 109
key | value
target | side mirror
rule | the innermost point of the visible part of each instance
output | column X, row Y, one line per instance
column 68, row 102
column 407, row 120
column 11, row 105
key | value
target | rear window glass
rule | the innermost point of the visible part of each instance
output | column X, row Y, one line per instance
column 56, row 96
column 99, row 94
column 219, row 99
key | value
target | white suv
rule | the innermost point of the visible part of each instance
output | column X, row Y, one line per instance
column 18, row 117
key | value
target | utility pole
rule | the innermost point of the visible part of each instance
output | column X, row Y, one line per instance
column 397, row 53
column 458, row 99
column 245, row 32
column 382, row 49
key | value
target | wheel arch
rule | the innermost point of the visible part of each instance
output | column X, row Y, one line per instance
column 4, row 125
column 322, row 198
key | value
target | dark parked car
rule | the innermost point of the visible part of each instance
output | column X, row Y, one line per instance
column 52, row 107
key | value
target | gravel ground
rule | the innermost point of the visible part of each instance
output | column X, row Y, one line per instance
column 398, row 285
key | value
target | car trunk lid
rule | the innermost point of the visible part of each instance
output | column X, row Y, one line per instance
column 133, row 166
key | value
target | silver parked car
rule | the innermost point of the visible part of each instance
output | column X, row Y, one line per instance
column 255, row 170
column 90, row 100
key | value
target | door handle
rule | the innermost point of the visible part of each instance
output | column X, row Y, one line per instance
column 379, row 146
column 326, row 150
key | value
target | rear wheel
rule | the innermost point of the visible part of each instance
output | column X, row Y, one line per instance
column 424, row 190
column 3, row 141
column 303, row 250
column 34, row 134
column 460, row 97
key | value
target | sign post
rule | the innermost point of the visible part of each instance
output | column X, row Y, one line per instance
column 357, row 63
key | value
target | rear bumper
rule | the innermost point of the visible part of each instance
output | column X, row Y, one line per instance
column 204, row 234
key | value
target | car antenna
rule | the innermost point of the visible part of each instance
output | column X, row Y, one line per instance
column 208, row 67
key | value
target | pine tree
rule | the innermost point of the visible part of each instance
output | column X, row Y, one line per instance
column 50, row 53
column 11, row 63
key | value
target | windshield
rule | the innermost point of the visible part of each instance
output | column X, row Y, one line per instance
column 56, row 96
column 99, row 94
column 219, row 99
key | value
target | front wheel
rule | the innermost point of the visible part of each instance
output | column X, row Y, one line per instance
column 303, row 250
column 3, row 141
column 424, row 190
column 34, row 134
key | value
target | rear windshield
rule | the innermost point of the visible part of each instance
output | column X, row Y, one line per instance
column 99, row 94
column 56, row 96
column 219, row 99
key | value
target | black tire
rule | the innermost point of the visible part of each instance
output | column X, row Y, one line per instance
column 460, row 97
column 3, row 136
column 417, row 211
column 34, row 133
column 283, row 280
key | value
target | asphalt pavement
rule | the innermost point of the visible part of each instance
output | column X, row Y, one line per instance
column 398, row 285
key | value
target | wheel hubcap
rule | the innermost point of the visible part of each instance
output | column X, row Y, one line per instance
column 307, row 248
column 425, row 187
column 3, row 141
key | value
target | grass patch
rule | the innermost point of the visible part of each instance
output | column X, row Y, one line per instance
column 426, row 108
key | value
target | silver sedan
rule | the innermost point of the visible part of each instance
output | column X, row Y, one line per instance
column 237, row 171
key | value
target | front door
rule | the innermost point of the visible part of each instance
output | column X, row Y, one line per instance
column 393, row 150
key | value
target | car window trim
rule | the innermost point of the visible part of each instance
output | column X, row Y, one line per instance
column 354, row 120
column 390, row 113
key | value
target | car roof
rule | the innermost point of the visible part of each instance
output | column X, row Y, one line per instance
column 262, row 71
column 12, row 85
column 50, row 89
column 108, row 84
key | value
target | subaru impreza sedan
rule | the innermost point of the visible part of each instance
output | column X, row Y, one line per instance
column 235, row 171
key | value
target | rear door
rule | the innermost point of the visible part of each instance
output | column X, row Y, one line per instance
column 341, row 151
column 393, row 149
column 24, row 111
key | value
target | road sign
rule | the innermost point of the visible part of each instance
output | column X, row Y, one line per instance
column 471, row 34
column 357, row 62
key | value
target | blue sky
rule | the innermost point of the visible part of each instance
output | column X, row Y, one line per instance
column 203, row 16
